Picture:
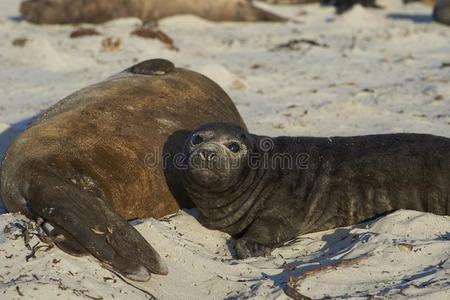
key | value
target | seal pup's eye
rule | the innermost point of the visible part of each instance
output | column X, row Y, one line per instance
column 196, row 139
column 234, row 147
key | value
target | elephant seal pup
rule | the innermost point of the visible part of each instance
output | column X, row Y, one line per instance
column 265, row 191
column 98, row 11
column 94, row 160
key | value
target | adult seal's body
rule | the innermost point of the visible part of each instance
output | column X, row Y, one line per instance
column 93, row 161
column 265, row 191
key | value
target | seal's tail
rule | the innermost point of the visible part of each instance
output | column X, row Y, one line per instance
column 83, row 221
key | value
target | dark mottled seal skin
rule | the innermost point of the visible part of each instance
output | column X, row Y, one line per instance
column 91, row 161
column 265, row 191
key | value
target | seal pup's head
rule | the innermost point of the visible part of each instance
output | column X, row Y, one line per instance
column 221, row 178
column 217, row 154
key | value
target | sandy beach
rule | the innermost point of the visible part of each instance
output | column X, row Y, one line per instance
column 365, row 72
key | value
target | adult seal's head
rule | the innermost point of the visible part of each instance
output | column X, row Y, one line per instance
column 217, row 155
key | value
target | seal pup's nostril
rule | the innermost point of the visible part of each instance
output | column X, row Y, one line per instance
column 211, row 156
column 207, row 155
column 202, row 155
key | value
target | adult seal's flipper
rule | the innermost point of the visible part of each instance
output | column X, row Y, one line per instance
column 84, row 221
column 63, row 240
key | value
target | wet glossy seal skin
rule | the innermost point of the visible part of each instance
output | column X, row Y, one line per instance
column 91, row 162
column 265, row 191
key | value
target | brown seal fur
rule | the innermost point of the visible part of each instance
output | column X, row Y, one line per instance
column 98, row 11
column 88, row 163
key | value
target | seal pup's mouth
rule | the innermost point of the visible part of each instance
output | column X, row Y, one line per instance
column 202, row 171
column 204, row 176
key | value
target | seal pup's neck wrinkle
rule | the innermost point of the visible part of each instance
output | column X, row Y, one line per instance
column 233, row 209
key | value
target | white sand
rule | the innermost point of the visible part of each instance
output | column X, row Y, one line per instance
column 379, row 72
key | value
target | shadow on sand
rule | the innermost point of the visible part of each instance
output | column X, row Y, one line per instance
column 412, row 18
column 340, row 241
column 337, row 243
column 16, row 18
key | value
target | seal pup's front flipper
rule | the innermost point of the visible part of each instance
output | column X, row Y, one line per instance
column 83, row 217
column 267, row 232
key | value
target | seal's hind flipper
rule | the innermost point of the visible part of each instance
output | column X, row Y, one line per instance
column 90, row 222
column 71, row 246
column 63, row 240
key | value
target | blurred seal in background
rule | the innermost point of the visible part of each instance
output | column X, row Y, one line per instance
column 98, row 11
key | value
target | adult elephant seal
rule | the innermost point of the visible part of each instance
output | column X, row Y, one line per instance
column 98, row 11
column 266, row 191
column 88, row 164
